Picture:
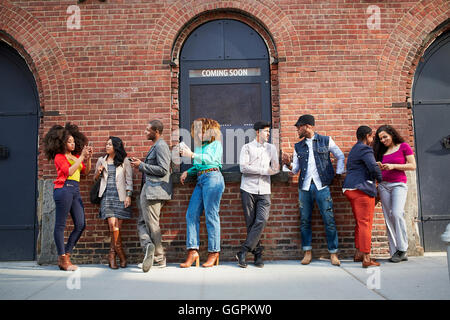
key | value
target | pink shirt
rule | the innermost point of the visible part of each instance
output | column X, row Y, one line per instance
column 398, row 157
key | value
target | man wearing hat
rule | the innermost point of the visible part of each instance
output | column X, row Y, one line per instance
column 312, row 158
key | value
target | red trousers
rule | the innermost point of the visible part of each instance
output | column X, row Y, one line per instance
column 363, row 207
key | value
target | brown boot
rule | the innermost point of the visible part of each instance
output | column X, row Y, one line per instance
column 192, row 256
column 119, row 250
column 335, row 260
column 307, row 258
column 358, row 257
column 112, row 254
column 65, row 264
column 369, row 262
column 213, row 259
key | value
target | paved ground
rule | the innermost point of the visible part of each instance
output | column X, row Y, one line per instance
column 420, row 278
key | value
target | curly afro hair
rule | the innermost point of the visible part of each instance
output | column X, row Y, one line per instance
column 56, row 138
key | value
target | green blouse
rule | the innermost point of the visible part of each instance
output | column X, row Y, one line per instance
column 207, row 156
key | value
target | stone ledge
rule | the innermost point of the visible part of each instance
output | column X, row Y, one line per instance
column 231, row 177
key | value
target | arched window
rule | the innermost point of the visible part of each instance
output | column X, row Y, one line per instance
column 225, row 75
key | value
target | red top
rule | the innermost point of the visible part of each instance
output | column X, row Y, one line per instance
column 62, row 169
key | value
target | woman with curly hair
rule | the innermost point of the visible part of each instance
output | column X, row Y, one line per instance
column 207, row 162
column 116, row 189
column 67, row 146
column 394, row 156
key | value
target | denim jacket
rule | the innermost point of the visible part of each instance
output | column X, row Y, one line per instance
column 321, row 156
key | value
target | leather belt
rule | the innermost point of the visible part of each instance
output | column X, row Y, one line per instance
column 199, row 173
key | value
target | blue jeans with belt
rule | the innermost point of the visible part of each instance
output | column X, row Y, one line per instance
column 68, row 199
column 325, row 204
column 206, row 196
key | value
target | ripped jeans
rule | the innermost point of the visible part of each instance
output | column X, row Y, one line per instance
column 325, row 204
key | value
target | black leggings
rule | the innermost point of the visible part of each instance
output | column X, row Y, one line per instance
column 67, row 199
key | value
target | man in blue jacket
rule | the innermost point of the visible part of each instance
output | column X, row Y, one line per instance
column 312, row 159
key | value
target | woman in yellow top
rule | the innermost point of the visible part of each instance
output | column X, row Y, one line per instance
column 67, row 147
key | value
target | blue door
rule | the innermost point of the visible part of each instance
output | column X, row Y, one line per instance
column 225, row 75
column 19, row 105
column 431, row 111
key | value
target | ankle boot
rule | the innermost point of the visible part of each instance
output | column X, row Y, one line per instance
column 72, row 266
column 368, row 262
column 119, row 250
column 65, row 264
column 192, row 256
column 213, row 259
column 258, row 257
column 358, row 257
column 112, row 254
column 335, row 260
column 307, row 258
column 240, row 256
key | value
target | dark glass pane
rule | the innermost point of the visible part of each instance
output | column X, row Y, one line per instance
column 229, row 104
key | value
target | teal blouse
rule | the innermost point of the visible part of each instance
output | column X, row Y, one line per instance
column 207, row 156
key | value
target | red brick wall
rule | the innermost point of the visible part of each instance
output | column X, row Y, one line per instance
column 113, row 75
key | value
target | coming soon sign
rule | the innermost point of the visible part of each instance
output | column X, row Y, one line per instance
column 232, row 72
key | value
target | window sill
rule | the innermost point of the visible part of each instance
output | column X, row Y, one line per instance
column 231, row 177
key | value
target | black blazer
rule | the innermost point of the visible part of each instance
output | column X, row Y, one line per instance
column 362, row 170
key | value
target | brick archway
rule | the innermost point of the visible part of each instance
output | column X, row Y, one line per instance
column 181, row 18
column 407, row 42
column 45, row 59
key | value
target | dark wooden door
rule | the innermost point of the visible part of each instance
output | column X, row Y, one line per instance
column 19, row 106
column 431, row 111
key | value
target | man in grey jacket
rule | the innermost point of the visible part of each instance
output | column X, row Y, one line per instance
column 156, row 189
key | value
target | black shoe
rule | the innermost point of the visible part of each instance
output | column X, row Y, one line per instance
column 240, row 256
column 395, row 257
column 402, row 256
column 258, row 257
column 258, row 260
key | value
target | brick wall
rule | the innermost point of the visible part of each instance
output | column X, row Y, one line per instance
column 113, row 75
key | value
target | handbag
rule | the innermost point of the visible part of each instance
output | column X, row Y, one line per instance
column 93, row 193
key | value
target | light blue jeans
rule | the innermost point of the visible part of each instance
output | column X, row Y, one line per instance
column 393, row 199
column 206, row 196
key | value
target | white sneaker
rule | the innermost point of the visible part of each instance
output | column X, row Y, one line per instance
column 148, row 259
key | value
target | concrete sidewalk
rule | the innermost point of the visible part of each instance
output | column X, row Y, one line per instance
column 419, row 278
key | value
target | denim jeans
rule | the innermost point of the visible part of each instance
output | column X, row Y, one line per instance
column 325, row 204
column 206, row 196
column 67, row 199
column 393, row 199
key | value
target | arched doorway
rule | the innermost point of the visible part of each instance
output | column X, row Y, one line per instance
column 19, row 121
column 431, row 111
column 225, row 75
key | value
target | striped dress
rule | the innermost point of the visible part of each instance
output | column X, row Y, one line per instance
column 111, row 206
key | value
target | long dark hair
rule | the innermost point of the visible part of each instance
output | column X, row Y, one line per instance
column 56, row 139
column 119, row 150
column 379, row 148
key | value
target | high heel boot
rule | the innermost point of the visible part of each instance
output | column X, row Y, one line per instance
column 213, row 259
column 119, row 250
column 112, row 254
column 65, row 264
column 192, row 256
